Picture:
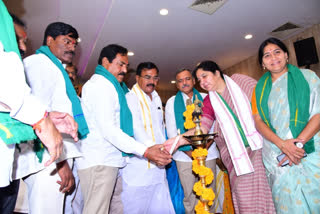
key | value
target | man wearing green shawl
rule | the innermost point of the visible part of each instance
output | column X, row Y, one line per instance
column 175, row 107
column 17, row 100
column 50, row 83
column 111, row 131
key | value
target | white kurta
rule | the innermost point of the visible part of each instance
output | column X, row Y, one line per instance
column 172, row 131
column 47, row 84
column 106, row 140
column 145, row 187
column 16, row 98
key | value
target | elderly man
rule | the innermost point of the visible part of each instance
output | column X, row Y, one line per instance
column 175, row 107
column 16, row 101
column 146, row 191
column 50, row 83
column 111, row 128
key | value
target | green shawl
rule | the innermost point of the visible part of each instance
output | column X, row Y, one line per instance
column 298, row 98
column 126, row 123
column 179, row 108
column 7, row 32
column 11, row 130
column 83, row 129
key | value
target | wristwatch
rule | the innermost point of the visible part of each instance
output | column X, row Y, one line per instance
column 299, row 144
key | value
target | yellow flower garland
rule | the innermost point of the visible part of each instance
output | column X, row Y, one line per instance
column 189, row 124
column 198, row 153
column 205, row 193
column 200, row 208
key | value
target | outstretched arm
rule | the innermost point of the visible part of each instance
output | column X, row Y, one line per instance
column 65, row 123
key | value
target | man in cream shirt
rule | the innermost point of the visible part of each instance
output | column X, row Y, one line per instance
column 174, row 108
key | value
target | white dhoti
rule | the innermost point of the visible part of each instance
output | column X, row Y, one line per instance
column 43, row 191
column 145, row 190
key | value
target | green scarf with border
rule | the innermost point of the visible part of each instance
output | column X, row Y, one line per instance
column 7, row 32
column 13, row 131
column 236, row 120
column 298, row 98
column 126, row 122
column 83, row 129
column 179, row 108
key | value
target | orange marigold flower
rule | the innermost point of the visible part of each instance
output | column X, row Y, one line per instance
column 197, row 188
column 199, row 153
column 195, row 166
column 208, row 194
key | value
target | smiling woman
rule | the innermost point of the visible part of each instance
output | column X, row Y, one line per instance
column 238, row 141
column 287, row 114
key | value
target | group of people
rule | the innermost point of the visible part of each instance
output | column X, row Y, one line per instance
column 114, row 140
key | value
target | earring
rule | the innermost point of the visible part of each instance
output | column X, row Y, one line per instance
column 264, row 67
column 287, row 60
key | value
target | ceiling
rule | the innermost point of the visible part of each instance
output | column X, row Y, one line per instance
column 179, row 40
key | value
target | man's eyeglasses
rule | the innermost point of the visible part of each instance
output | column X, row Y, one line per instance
column 147, row 77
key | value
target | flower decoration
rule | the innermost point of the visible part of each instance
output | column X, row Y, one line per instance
column 189, row 124
column 199, row 208
column 198, row 153
column 206, row 194
column 195, row 166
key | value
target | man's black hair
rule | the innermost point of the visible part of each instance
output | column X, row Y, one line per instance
column 111, row 52
column 146, row 66
column 59, row 28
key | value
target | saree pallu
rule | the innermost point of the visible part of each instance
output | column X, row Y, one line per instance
column 295, row 189
column 251, row 192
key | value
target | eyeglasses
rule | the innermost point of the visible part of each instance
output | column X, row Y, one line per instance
column 147, row 77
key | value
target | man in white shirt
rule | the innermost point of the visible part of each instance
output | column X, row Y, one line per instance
column 17, row 101
column 146, row 191
column 49, row 82
column 110, row 122
column 174, row 120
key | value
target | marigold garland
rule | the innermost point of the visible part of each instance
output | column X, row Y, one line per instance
column 199, row 208
column 189, row 124
column 207, row 195
column 203, row 171
column 198, row 153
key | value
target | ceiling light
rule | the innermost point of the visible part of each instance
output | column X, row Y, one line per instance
column 173, row 81
column 130, row 53
column 164, row 12
column 248, row 36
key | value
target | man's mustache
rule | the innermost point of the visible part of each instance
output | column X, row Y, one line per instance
column 151, row 84
column 185, row 85
column 122, row 73
column 70, row 52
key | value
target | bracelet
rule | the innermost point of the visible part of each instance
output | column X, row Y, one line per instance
column 145, row 153
column 37, row 126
